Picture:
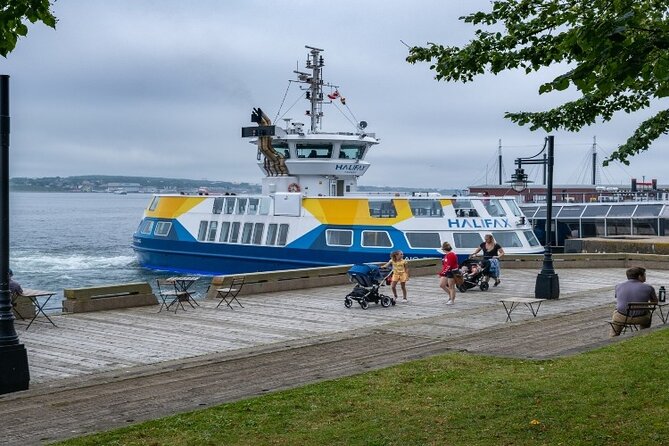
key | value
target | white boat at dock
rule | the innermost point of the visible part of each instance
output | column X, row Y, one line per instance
column 311, row 212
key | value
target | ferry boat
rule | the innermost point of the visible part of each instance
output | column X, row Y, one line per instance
column 310, row 212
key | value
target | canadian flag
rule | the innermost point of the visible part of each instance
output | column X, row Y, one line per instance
column 334, row 95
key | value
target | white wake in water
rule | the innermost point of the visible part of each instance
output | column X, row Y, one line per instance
column 72, row 262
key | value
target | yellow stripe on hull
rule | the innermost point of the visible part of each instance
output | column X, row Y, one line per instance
column 356, row 211
column 173, row 207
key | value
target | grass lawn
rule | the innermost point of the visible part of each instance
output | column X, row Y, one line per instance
column 612, row 396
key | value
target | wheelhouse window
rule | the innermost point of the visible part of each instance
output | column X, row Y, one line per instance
column 426, row 208
column 508, row 239
column 146, row 227
column 351, row 152
column 281, row 148
column 339, row 237
column 163, row 228
column 423, row 239
column 376, row 239
column 314, row 150
column 382, row 209
column 467, row 239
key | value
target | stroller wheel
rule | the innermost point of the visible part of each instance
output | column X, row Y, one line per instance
column 385, row 301
column 364, row 304
column 348, row 302
column 484, row 286
column 462, row 288
column 393, row 301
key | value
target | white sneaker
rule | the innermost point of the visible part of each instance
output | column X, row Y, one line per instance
column 450, row 302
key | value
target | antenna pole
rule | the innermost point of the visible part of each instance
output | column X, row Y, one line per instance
column 499, row 160
column 315, row 62
column 594, row 160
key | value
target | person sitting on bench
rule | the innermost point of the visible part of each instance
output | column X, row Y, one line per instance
column 14, row 287
column 633, row 290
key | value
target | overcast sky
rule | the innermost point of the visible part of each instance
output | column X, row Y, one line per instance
column 163, row 87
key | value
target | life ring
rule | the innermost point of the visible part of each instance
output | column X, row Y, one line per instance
column 293, row 187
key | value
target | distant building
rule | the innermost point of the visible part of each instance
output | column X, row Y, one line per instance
column 123, row 187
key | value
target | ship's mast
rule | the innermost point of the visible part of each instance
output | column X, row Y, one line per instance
column 315, row 86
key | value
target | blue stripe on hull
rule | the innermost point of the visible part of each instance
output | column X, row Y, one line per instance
column 213, row 258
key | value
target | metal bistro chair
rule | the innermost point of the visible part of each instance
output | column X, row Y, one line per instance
column 170, row 295
column 229, row 294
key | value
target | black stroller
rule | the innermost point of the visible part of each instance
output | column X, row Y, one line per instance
column 368, row 278
column 475, row 272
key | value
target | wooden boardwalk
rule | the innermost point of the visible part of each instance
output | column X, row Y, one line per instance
column 86, row 343
column 96, row 371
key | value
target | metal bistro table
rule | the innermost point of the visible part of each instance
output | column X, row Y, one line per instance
column 183, row 283
column 34, row 296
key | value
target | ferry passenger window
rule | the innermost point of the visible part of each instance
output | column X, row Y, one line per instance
column 314, row 150
column 163, row 228
column 154, row 203
column 514, row 208
column 218, row 205
column 494, row 208
column 253, row 206
column 202, row 233
column 234, row 232
column 424, row 239
column 470, row 240
column 382, row 209
column 464, row 208
column 339, row 237
column 146, row 227
column 213, row 227
column 241, row 206
column 532, row 238
column 271, row 234
column 507, row 239
column 246, row 233
column 283, row 235
column 258, row 229
column 225, row 232
column 376, row 239
column 426, row 208
column 229, row 205
column 264, row 206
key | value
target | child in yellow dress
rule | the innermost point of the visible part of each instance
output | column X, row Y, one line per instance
column 400, row 272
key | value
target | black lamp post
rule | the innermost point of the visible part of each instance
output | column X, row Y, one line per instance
column 548, row 283
column 14, row 373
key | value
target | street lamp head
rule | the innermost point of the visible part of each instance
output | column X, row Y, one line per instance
column 519, row 180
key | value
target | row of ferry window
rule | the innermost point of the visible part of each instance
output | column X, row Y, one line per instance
column 277, row 235
column 426, row 240
column 246, row 233
column 377, row 208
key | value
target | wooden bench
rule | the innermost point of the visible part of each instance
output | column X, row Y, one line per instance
column 515, row 301
column 629, row 322
column 108, row 297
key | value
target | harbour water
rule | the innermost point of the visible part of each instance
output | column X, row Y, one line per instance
column 73, row 240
